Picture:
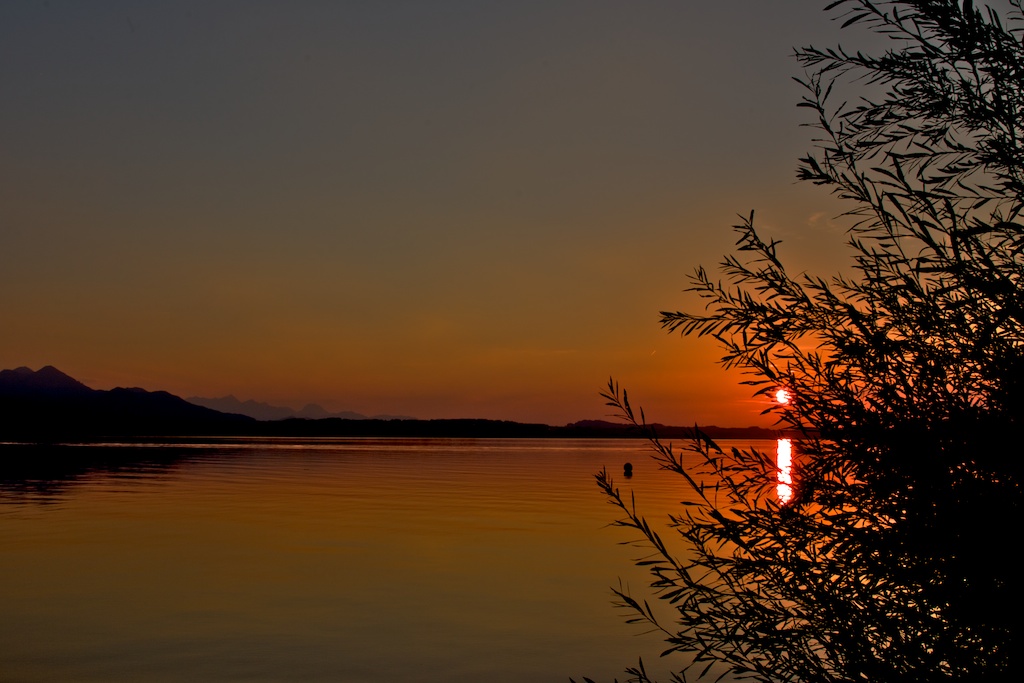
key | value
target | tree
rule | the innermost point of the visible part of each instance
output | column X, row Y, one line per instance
column 894, row 561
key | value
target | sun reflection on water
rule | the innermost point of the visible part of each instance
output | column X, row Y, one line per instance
column 784, row 461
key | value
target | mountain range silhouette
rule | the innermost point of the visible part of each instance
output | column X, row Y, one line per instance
column 47, row 402
column 265, row 411
column 47, row 405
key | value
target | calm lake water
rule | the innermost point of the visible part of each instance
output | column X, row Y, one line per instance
column 342, row 560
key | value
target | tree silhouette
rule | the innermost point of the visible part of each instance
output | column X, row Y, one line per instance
column 895, row 559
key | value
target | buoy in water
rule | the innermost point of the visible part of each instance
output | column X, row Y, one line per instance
column 627, row 469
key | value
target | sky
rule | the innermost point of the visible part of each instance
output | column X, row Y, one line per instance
column 431, row 208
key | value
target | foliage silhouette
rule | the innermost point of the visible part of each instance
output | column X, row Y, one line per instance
column 894, row 561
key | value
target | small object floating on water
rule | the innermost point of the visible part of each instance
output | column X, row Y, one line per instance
column 627, row 469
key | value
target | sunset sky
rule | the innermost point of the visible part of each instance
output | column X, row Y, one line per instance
column 429, row 208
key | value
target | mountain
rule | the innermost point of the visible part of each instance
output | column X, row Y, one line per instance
column 47, row 380
column 312, row 411
column 265, row 411
column 48, row 404
column 254, row 409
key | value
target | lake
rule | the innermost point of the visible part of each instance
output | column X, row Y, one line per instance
column 342, row 560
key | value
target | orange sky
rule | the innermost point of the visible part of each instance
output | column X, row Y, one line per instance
column 446, row 209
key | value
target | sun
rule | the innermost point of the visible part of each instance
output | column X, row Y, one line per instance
column 782, row 396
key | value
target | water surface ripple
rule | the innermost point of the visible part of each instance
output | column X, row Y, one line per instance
column 344, row 560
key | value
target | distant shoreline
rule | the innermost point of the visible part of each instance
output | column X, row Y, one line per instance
column 50, row 431
column 48, row 406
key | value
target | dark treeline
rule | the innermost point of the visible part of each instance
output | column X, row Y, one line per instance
column 475, row 428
